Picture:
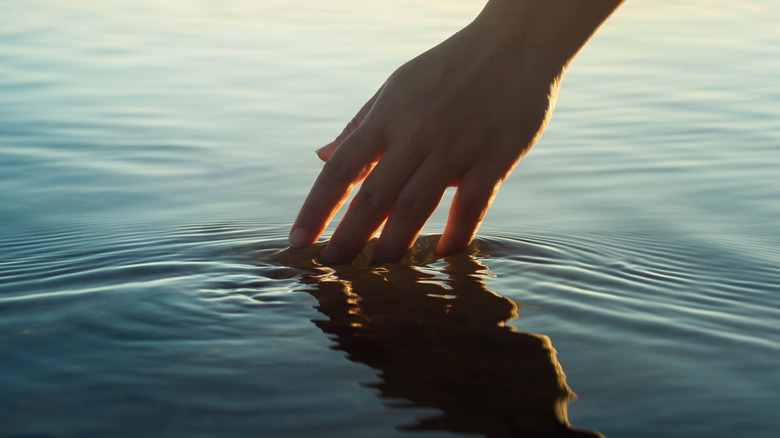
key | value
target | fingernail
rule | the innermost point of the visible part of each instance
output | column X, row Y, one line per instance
column 299, row 238
column 322, row 149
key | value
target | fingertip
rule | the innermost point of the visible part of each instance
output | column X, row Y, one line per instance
column 447, row 246
column 300, row 238
column 326, row 151
column 336, row 253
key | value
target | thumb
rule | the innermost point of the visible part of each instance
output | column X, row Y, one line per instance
column 326, row 151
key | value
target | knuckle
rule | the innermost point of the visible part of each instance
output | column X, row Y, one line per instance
column 349, row 129
column 367, row 203
column 409, row 208
column 470, row 211
column 351, row 126
column 335, row 171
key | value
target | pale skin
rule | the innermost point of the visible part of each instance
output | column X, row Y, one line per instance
column 462, row 114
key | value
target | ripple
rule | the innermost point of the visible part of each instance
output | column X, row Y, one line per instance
column 218, row 295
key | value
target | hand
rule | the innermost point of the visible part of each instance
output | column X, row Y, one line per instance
column 461, row 114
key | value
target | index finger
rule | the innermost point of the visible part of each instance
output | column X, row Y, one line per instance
column 348, row 165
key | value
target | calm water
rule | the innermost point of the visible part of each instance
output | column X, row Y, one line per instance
column 154, row 154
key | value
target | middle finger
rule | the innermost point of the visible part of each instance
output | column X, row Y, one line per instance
column 371, row 205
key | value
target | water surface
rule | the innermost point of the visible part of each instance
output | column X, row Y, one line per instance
column 153, row 156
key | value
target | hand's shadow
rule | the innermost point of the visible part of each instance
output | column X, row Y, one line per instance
column 437, row 337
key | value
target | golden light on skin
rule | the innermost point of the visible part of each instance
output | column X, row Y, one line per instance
column 379, row 230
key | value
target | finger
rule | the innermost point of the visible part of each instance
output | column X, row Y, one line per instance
column 411, row 210
column 473, row 198
column 345, row 168
column 370, row 207
column 326, row 151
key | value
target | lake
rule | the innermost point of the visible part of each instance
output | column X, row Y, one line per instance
column 153, row 156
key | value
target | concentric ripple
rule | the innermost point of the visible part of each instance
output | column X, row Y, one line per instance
column 210, row 325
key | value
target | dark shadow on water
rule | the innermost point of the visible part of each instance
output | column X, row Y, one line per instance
column 438, row 338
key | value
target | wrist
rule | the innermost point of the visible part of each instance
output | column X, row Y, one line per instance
column 549, row 33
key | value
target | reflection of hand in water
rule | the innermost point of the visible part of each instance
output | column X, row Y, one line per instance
column 438, row 338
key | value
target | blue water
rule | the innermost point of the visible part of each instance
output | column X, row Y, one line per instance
column 154, row 154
